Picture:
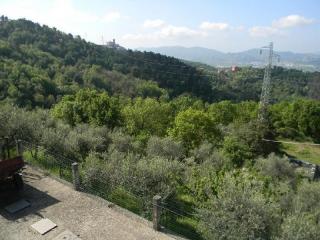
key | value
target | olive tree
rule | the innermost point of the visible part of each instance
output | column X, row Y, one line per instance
column 239, row 210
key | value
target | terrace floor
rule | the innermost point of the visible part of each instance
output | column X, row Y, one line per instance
column 86, row 216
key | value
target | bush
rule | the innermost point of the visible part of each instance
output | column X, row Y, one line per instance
column 164, row 147
column 245, row 142
column 237, row 151
column 300, row 227
column 18, row 123
column 307, row 198
column 276, row 167
column 122, row 142
column 291, row 133
column 157, row 176
column 84, row 139
column 239, row 211
column 95, row 176
column 207, row 154
column 303, row 220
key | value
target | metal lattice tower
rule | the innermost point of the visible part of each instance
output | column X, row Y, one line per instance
column 266, row 86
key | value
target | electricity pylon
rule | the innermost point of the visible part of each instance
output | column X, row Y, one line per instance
column 266, row 85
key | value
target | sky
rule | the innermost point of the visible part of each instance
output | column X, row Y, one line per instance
column 224, row 25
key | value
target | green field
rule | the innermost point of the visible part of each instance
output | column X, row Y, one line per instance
column 304, row 152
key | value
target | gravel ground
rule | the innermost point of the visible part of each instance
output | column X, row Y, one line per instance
column 86, row 216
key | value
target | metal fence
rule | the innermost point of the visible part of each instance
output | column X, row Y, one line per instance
column 166, row 214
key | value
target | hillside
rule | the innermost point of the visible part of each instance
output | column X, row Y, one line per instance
column 39, row 64
column 141, row 124
column 303, row 61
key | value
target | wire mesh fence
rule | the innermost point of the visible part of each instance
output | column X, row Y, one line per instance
column 180, row 217
column 118, row 194
column 8, row 148
column 52, row 162
column 97, row 184
column 177, row 216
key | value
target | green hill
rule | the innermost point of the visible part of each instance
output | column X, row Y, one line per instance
column 39, row 64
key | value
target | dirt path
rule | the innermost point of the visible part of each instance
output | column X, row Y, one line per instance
column 87, row 217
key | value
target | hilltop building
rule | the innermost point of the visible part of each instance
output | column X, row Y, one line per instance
column 114, row 45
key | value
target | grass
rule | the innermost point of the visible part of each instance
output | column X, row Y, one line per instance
column 126, row 200
column 182, row 218
column 49, row 164
column 304, row 152
column 184, row 226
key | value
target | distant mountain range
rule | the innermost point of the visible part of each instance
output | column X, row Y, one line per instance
column 303, row 61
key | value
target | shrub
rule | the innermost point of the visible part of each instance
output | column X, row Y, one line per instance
column 207, row 154
column 239, row 211
column 303, row 220
column 276, row 167
column 122, row 142
column 245, row 142
column 237, row 151
column 83, row 139
column 157, row 176
column 300, row 226
column 164, row 147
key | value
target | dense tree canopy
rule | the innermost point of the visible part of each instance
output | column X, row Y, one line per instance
column 89, row 106
column 142, row 124
column 297, row 118
column 146, row 117
column 192, row 127
column 39, row 64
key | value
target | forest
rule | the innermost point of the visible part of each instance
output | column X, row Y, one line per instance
column 142, row 124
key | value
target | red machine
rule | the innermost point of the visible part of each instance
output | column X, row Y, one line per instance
column 10, row 168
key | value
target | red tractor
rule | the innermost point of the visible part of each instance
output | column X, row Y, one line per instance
column 10, row 167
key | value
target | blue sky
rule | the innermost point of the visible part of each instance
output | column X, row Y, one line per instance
column 226, row 25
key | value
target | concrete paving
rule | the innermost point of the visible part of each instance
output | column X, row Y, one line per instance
column 85, row 216
column 17, row 206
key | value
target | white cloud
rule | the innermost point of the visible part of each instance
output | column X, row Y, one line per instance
column 240, row 28
column 277, row 25
column 111, row 17
column 165, row 33
column 291, row 21
column 262, row 31
column 214, row 26
column 153, row 23
column 175, row 31
column 139, row 37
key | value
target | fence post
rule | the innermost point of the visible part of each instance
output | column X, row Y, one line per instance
column 156, row 201
column 19, row 147
column 8, row 147
column 75, row 176
column 316, row 174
